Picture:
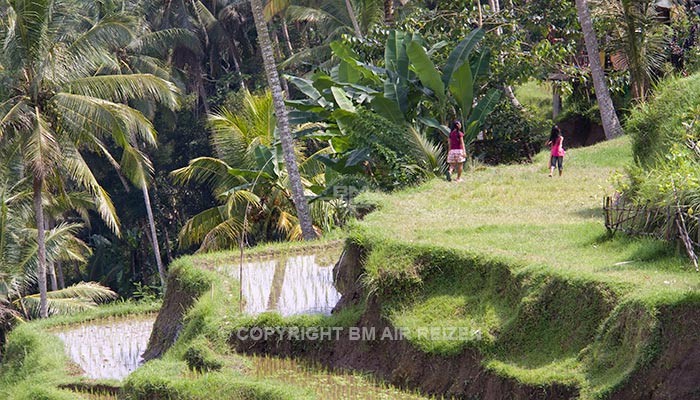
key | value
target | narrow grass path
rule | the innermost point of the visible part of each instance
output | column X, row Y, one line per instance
column 518, row 214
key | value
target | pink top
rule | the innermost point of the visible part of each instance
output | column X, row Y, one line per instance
column 557, row 150
column 455, row 142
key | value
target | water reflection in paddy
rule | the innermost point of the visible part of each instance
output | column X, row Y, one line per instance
column 107, row 350
column 295, row 284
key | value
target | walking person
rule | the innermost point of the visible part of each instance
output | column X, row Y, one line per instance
column 556, row 140
column 458, row 152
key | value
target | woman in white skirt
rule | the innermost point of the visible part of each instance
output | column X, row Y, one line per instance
column 457, row 154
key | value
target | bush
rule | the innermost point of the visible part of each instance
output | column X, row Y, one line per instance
column 199, row 357
column 511, row 135
column 392, row 154
column 656, row 125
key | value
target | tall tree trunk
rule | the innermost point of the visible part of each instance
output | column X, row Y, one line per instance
column 61, row 277
column 285, row 33
column 154, row 237
column 168, row 251
column 38, row 186
column 51, row 270
column 273, row 79
column 388, row 11
column 611, row 125
column 481, row 13
column 353, row 18
column 507, row 89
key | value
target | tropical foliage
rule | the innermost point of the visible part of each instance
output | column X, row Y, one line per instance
column 371, row 87
column 61, row 102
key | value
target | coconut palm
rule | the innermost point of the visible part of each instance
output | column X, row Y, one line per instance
column 60, row 106
column 249, row 177
column 19, row 249
column 638, row 37
column 333, row 19
column 285, row 134
column 611, row 124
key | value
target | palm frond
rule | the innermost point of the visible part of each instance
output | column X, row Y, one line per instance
column 41, row 150
column 239, row 197
column 210, row 228
column 223, row 236
column 84, row 114
column 149, row 65
column 79, row 170
column 29, row 29
column 79, row 297
column 16, row 115
column 431, row 154
column 120, row 88
column 229, row 136
column 136, row 166
column 159, row 43
column 208, row 170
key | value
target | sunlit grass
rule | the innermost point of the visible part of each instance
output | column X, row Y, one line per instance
column 517, row 213
column 536, row 97
column 327, row 385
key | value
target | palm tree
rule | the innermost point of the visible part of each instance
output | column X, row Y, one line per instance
column 353, row 18
column 19, row 249
column 611, row 124
column 59, row 105
column 332, row 19
column 249, row 178
column 282, row 122
column 637, row 35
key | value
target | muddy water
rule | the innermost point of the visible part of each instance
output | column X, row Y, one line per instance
column 107, row 349
column 295, row 284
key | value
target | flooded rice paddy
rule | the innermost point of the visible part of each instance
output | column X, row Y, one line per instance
column 294, row 284
column 288, row 284
column 108, row 349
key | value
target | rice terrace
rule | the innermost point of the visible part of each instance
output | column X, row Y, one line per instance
column 282, row 199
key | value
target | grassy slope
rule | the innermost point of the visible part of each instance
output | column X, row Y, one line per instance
column 516, row 213
column 34, row 362
column 540, row 228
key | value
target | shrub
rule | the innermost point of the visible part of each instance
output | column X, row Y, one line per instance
column 201, row 358
column 393, row 154
column 511, row 135
column 656, row 125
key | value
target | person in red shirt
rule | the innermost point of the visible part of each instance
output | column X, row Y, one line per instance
column 556, row 160
column 458, row 153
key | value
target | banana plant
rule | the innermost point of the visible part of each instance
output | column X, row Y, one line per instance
column 456, row 82
column 409, row 76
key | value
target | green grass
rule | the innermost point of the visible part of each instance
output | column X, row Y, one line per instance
column 519, row 215
column 34, row 364
column 561, row 311
column 536, row 97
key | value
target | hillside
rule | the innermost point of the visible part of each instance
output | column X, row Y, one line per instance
column 524, row 261
column 546, row 305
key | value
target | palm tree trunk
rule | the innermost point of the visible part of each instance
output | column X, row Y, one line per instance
column 507, row 89
column 481, row 14
column 61, row 277
column 273, row 79
column 154, row 237
column 38, row 186
column 285, row 33
column 388, row 11
column 611, row 124
column 353, row 18
column 51, row 270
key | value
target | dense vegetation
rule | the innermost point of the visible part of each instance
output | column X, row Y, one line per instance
column 136, row 131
